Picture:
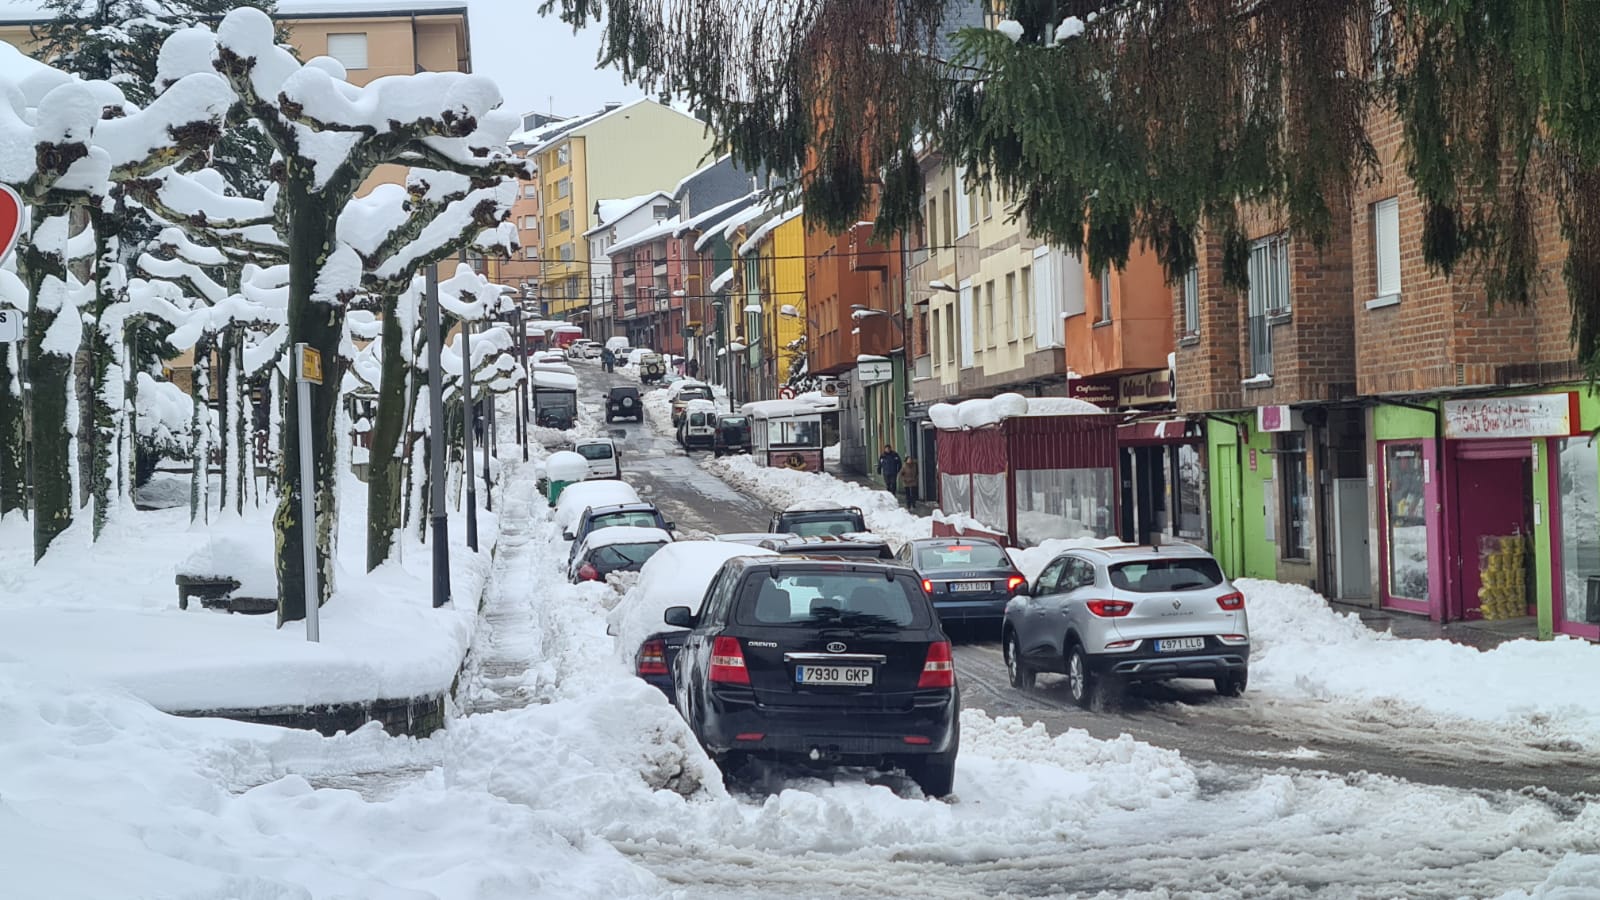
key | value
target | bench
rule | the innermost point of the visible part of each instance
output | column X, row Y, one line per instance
column 216, row 592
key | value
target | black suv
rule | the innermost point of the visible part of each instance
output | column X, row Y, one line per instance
column 820, row 661
column 809, row 519
column 624, row 403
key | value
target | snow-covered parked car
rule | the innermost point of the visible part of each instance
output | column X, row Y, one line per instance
column 677, row 575
column 621, row 548
column 576, row 498
column 603, row 456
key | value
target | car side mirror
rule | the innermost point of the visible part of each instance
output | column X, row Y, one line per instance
column 567, row 535
column 679, row 617
column 672, row 526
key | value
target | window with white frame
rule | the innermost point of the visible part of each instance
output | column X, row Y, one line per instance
column 530, row 191
column 349, row 49
column 564, row 187
column 1269, row 297
column 1025, row 297
column 566, row 252
column 530, row 223
column 967, row 348
column 564, row 154
column 1386, row 247
column 1382, row 45
column 564, row 220
column 950, row 334
column 991, row 337
column 1191, row 301
column 1105, row 294
column 963, row 202
column 936, row 347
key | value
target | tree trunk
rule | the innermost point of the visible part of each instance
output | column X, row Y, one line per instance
column 200, row 429
column 225, row 400
column 105, row 376
column 321, row 326
column 50, row 374
column 13, row 470
column 383, row 463
column 130, row 395
column 244, row 428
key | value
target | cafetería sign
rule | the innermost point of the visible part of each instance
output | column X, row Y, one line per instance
column 1535, row 415
column 1146, row 388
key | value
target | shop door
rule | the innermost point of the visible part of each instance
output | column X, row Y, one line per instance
column 1350, row 540
column 1492, row 499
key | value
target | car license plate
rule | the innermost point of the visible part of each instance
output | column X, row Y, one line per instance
column 1180, row 644
column 844, row 676
column 960, row 587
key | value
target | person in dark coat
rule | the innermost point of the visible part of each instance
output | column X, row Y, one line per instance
column 889, row 468
column 608, row 360
column 693, row 368
column 909, row 480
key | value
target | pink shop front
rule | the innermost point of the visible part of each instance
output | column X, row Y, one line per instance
column 1489, row 508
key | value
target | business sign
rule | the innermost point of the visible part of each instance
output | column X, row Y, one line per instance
column 1274, row 418
column 1101, row 393
column 310, row 369
column 875, row 371
column 1146, row 388
column 13, row 216
column 1536, row 415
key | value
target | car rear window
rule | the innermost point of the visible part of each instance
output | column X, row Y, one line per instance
column 830, row 598
column 637, row 517
column 595, row 451
column 816, row 527
column 962, row 556
column 614, row 555
column 1157, row 575
column 731, row 421
column 697, row 419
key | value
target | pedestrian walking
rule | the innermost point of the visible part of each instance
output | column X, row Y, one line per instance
column 694, row 368
column 608, row 360
column 910, row 481
column 889, row 468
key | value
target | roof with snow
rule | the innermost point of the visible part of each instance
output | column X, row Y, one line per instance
column 992, row 410
column 625, row 534
column 755, row 240
column 611, row 209
column 707, row 221
column 721, row 281
column 655, row 232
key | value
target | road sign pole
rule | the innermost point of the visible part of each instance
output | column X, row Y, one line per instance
column 308, row 369
column 437, row 511
column 467, row 421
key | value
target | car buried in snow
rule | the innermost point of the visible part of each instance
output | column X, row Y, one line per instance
column 820, row 662
column 621, row 548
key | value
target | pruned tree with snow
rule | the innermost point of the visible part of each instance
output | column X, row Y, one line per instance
column 397, row 230
column 67, row 144
column 331, row 136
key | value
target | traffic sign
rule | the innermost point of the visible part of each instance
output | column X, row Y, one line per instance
column 310, row 363
column 13, row 216
column 10, row 326
column 786, row 393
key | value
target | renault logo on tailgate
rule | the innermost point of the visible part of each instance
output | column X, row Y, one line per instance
column 1176, row 604
column 836, row 647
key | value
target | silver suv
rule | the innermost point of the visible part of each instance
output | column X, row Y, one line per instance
column 1111, row 615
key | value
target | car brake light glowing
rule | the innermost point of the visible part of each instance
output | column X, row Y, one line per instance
column 750, row 735
column 727, row 662
column 652, row 657
column 1015, row 582
column 916, row 739
column 927, row 586
column 1231, row 601
column 1234, row 638
column 1109, row 609
column 960, row 549
column 938, row 669
column 588, row 572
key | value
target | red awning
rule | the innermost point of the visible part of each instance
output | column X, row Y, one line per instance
column 1154, row 432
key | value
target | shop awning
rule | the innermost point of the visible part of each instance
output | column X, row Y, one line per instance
column 1156, row 431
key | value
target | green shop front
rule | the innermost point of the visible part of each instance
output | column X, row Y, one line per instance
column 1489, row 508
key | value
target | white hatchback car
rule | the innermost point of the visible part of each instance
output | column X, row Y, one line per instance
column 605, row 460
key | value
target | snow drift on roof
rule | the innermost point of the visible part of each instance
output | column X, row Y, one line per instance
column 754, row 241
column 990, row 411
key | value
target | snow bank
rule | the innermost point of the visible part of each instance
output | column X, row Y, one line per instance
column 240, row 556
column 780, row 488
column 626, row 534
column 564, row 465
column 1302, row 649
column 1032, row 560
column 576, row 498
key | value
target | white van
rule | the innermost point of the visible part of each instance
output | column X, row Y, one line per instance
column 605, row 460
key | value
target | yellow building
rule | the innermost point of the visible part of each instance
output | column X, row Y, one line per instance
column 773, row 259
column 624, row 150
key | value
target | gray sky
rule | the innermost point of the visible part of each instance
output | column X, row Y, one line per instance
column 537, row 60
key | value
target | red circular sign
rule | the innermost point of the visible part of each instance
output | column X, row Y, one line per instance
column 11, row 218
column 786, row 393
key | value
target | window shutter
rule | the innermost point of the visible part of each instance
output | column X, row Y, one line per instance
column 963, row 207
column 349, row 49
column 966, row 325
column 1386, row 241
column 1046, row 304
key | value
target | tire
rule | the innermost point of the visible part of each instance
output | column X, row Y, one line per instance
column 1018, row 672
column 936, row 773
column 1233, row 683
column 729, row 763
column 609, row 420
column 1082, row 685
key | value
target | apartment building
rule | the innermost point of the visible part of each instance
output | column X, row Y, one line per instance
column 623, row 150
column 619, row 220
column 772, row 260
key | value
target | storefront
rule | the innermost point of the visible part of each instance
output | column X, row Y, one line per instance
column 1162, row 474
column 1490, row 509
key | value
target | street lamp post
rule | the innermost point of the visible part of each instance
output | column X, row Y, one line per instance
column 441, row 521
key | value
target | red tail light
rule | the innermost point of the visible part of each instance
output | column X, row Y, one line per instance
column 652, row 659
column 1109, row 609
column 927, row 586
column 1015, row 582
column 588, row 572
column 727, row 662
column 938, row 670
column 1231, row 601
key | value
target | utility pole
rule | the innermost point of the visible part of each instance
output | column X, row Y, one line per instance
column 436, row 500
column 527, row 378
column 468, row 421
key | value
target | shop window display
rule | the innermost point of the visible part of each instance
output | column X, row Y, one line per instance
column 1403, row 472
column 956, row 494
column 1063, row 503
column 1579, row 473
column 989, row 501
column 1191, row 500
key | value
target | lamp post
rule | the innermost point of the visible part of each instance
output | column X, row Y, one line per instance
column 441, row 521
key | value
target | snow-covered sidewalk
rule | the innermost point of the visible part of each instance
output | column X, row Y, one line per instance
column 108, row 612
